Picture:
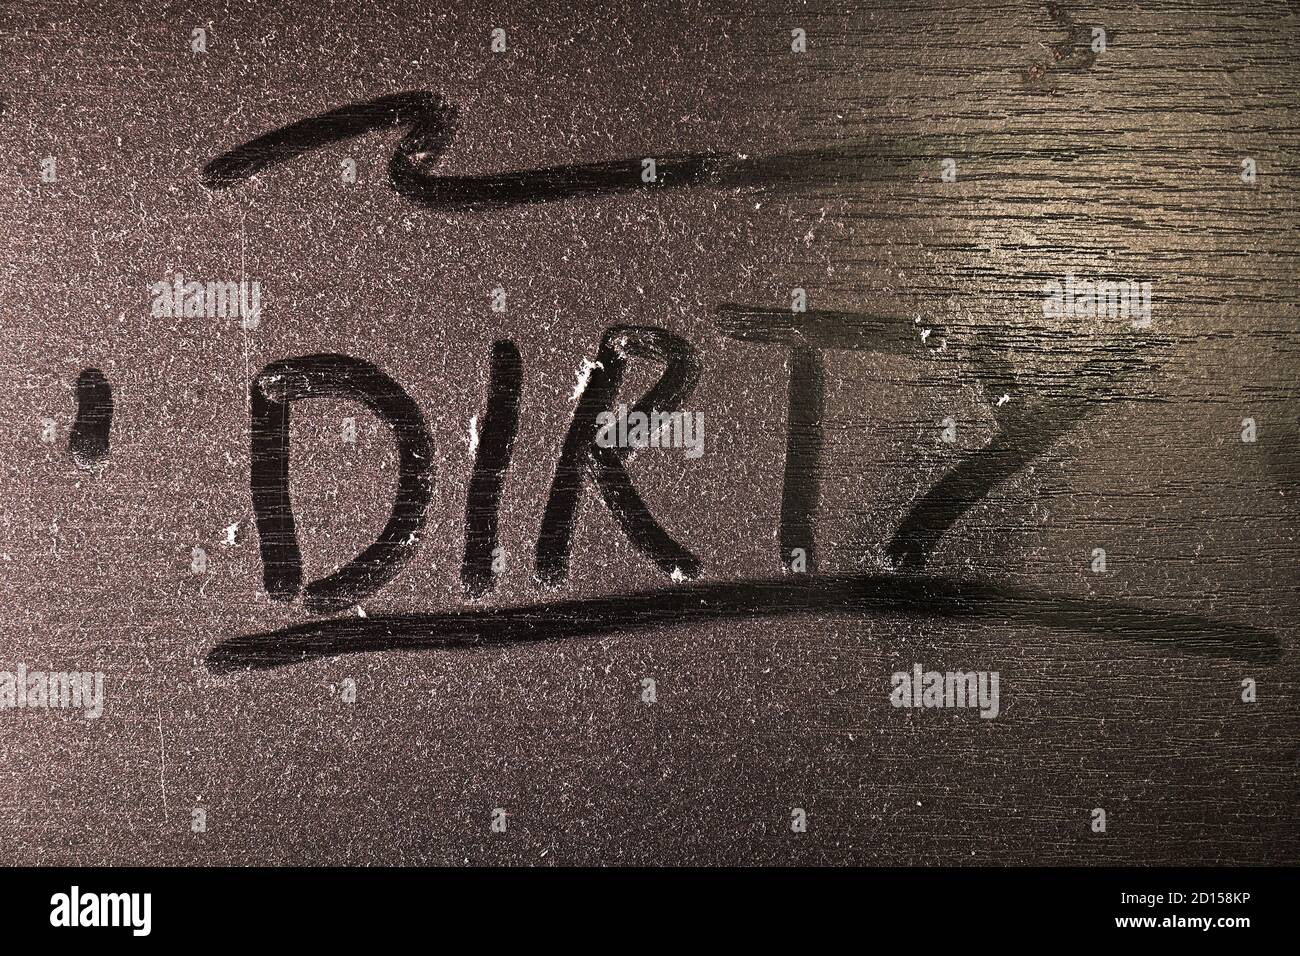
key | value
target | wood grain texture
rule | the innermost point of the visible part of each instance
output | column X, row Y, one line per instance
column 1123, row 164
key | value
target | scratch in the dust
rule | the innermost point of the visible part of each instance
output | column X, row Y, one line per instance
column 584, row 376
column 162, row 767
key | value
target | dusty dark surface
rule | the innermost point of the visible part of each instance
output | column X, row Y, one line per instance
column 1122, row 165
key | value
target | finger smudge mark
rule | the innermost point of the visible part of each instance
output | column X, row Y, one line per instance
column 1075, row 54
column 88, row 441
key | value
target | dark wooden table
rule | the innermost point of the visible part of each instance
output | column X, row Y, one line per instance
column 1120, row 690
